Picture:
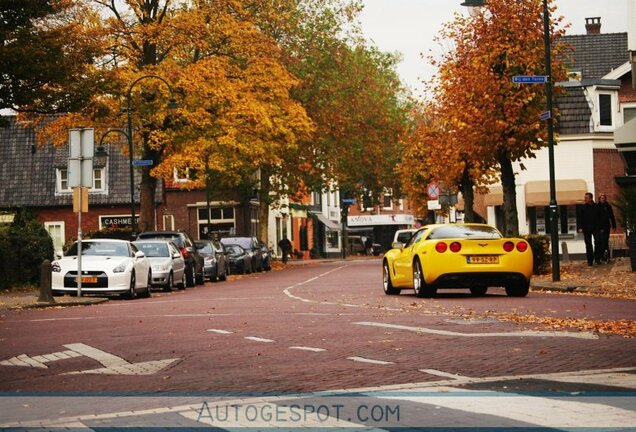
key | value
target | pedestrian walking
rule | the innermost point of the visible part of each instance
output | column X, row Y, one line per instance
column 286, row 248
column 589, row 226
column 607, row 222
column 368, row 246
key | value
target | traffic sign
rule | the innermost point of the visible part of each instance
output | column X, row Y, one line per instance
column 530, row 79
column 545, row 115
column 348, row 201
column 433, row 191
column 142, row 162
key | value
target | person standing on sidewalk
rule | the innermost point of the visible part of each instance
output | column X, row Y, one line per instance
column 588, row 225
column 286, row 246
column 607, row 221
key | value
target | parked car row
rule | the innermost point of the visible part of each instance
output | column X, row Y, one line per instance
column 157, row 259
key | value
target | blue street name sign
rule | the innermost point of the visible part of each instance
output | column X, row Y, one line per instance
column 545, row 115
column 142, row 162
column 348, row 201
column 530, row 79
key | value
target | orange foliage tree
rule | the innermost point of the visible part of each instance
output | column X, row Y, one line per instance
column 493, row 121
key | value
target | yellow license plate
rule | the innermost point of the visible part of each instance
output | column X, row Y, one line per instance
column 87, row 279
column 483, row 259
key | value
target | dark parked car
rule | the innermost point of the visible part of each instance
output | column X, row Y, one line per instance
column 268, row 256
column 215, row 265
column 251, row 246
column 238, row 258
column 193, row 260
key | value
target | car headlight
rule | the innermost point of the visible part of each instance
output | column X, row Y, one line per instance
column 160, row 268
column 55, row 267
column 120, row 268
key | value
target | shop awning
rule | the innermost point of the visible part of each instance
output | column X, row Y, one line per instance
column 494, row 197
column 331, row 225
column 568, row 192
column 625, row 141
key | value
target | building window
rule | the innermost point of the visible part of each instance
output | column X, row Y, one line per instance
column 183, row 175
column 629, row 114
column 387, row 200
column 99, row 180
column 168, row 222
column 332, row 239
column 539, row 220
column 254, row 221
column 56, row 231
column 222, row 222
column 605, row 109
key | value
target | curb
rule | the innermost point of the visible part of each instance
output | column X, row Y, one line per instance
column 555, row 288
column 87, row 302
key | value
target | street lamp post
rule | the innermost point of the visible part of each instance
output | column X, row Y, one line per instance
column 172, row 104
column 554, row 233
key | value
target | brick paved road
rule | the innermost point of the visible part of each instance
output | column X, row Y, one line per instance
column 310, row 328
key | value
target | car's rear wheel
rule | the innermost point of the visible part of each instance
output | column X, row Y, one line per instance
column 419, row 285
column 146, row 293
column 386, row 281
column 478, row 291
column 518, row 289
column 190, row 279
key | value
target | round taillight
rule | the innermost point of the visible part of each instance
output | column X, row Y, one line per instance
column 509, row 246
column 441, row 247
column 455, row 246
column 522, row 246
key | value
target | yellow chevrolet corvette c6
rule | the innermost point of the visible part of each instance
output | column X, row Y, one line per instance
column 473, row 256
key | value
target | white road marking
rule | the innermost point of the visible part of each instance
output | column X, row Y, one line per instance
column 194, row 315
column 525, row 333
column 143, row 368
column 106, row 359
column 257, row 339
column 304, row 348
column 219, row 331
column 366, row 360
column 442, row 374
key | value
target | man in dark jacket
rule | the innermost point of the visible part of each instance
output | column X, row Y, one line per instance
column 607, row 221
column 589, row 225
column 286, row 247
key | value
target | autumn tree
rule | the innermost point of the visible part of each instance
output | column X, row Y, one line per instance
column 47, row 50
column 495, row 120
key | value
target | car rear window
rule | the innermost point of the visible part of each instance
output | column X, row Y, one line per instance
column 175, row 238
column 244, row 242
column 474, row 232
column 204, row 247
column 234, row 250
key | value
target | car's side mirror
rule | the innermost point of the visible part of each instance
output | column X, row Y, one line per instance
column 397, row 245
column 139, row 254
column 177, row 255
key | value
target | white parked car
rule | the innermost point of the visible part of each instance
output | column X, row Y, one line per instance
column 108, row 267
column 168, row 265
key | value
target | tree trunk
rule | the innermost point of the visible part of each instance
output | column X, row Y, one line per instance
column 511, row 220
column 344, row 210
column 263, row 208
column 147, row 201
column 469, row 197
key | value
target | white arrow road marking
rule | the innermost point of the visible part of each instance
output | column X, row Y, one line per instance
column 366, row 360
column 143, row 368
column 107, row 359
column 525, row 333
column 112, row 364
column 38, row 361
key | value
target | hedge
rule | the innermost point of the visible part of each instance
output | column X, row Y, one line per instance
column 540, row 246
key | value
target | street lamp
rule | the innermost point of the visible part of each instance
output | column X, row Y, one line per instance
column 554, row 233
column 172, row 104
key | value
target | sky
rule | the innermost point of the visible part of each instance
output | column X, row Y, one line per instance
column 409, row 27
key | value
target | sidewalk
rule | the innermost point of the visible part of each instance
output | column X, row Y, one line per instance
column 27, row 298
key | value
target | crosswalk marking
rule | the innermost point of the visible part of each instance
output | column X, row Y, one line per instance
column 304, row 348
column 219, row 331
column 366, row 360
column 258, row 339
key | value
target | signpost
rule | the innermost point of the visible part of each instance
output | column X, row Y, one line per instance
column 530, row 79
column 80, row 176
column 545, row 115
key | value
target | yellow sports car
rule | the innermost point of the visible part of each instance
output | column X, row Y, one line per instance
column 474, row 256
